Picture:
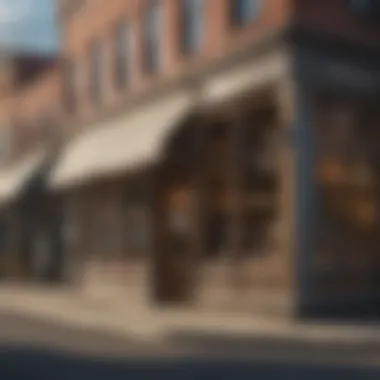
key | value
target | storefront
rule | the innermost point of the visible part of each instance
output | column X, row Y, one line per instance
column 347, row 262
column 108, row 237
column 271, row 186
column 187, row 199
column 106, row 180
column 337, row 139
column 25, row 217
column 225, row 213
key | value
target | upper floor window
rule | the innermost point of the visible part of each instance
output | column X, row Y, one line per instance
column 122, row 54
column 366, row 8
column 69, row 86
column 361, row 6
column 24, row 136
column 153, row 32
column 48, row 127
column 96, row 70
column 244, row 11
column 192, row 24
column 6, row 144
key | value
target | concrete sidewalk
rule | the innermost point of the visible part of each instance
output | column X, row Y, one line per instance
column 69, row 307
column 144, row 323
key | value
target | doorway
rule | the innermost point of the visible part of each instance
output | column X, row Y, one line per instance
column 174, row 223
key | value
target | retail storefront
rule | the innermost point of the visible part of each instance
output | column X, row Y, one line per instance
column 105, row 179
column 348, row 262
column 337, row 138
column 225, row 216
column 255, row 190
column 27, row 232
column 247, row 255
column 185, row 199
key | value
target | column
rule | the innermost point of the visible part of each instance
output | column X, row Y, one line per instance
column 234, row 177
column 298, row 198
column 198, row 204
column 284, row 232
column 306, row 192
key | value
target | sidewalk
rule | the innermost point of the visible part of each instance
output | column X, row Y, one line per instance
column 144, row 323
column 70, row 308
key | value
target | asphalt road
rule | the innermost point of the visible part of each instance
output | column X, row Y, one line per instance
column 31, row 349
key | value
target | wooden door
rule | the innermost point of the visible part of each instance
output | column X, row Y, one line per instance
column 174, row 254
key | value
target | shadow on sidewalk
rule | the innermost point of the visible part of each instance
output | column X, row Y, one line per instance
column 269, row 346
column 26, row 363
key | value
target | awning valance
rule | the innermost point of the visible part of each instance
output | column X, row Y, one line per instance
column 129, row 141
column 248, row 76
column 14, row 178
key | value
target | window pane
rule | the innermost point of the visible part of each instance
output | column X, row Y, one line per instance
column 361, row 5
column 367, row 8
column 244, row 11
column 70, row 78
column 192, row 13
column 5, row 144
column 96, row 70
column 137, row 231
column 153, row 24
column 122, row 49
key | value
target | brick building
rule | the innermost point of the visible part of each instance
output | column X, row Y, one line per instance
column 191, row 125
column 30, row 108
column 189, row 78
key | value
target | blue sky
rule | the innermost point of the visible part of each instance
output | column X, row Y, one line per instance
column 28, row 25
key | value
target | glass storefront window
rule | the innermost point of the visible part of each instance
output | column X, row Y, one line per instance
column 348, row 178
column 137, row 219
column 137, row 231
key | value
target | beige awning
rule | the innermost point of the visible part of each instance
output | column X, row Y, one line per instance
column 15, row 177
column 254, row 74
column 126, row 142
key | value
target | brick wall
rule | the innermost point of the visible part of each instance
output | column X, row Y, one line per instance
column 98, row 19
column 36, row 104
column 21, row 110
column 40, row 96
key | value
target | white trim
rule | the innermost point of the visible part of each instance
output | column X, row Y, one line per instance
column 124, row 143
column 256, row 73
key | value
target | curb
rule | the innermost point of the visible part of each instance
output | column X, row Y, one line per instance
column 270, row 346
column 104, row 323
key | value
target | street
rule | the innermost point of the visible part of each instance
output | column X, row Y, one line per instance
column 31, row 349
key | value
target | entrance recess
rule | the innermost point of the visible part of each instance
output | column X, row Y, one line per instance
column 174, row 267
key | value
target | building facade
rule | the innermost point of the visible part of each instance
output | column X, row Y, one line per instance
column 162, row 88
column 29, row 114
column 207, row 145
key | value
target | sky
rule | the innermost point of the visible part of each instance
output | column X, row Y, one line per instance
column 28, row 25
